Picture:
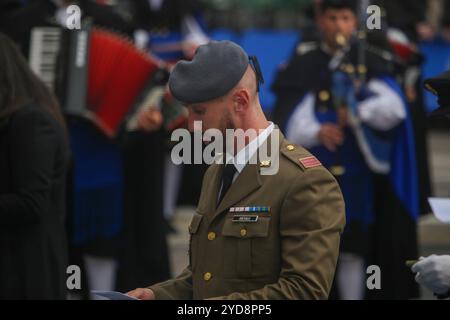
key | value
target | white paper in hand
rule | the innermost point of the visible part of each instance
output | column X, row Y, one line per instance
column 110, row 295
column 441, row 208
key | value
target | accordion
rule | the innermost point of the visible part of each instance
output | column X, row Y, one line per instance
column 101, row 76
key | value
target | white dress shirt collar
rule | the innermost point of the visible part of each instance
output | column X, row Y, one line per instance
column 244, row 155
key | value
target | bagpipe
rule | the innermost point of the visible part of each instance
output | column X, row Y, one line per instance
column 348, row 88
column 102, row 77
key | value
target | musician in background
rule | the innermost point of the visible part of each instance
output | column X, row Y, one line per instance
column 108, row 185
column 433, row 271
column 118, row 192
column 33, row 168
column 314, row 111
column 18, row 20
column 172, row 30
column 169, row 30
column 407, row 23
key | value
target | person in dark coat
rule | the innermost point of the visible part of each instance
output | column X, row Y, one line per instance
column 171, row 33
column 118, row 182
column 33, row 168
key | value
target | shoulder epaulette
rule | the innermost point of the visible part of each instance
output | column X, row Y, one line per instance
column 300, row 156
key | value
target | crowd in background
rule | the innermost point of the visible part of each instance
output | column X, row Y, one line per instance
column 122, row 192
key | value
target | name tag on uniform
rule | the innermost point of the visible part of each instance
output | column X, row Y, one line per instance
column 245, row 218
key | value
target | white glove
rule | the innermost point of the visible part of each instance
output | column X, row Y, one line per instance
column 433, row 272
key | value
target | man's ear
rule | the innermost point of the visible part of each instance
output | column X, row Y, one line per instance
column 241, row 100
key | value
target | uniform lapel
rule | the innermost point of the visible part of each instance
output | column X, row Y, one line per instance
column 248, row 181
column 208, row 199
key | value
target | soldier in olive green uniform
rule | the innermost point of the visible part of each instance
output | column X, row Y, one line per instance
column 254, row 235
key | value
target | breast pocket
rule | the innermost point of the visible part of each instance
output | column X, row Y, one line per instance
column 246, row 246
column 193, row 240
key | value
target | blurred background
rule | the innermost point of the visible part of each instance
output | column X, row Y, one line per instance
column 128, row 205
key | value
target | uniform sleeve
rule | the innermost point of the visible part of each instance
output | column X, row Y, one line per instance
column 33, row 148
column 179, row 288
column 311, row 222
column 384, row 110
column 303, row 127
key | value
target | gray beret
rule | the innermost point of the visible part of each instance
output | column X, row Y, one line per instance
column 216, row 68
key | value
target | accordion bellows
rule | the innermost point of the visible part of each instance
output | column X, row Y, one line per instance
column 117, row 73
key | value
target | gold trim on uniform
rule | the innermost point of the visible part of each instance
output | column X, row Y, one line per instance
column 362, row 69
column 265, row 164
column 349, row 68
column 290, row 147
column 324, row 95
column 243, row 232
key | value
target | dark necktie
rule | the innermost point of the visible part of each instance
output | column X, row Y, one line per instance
column 227, row 180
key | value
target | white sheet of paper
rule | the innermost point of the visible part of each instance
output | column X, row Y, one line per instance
column 111, row 295
column 440, row 208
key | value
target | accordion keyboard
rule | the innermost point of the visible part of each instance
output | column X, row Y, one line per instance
column 44, row 48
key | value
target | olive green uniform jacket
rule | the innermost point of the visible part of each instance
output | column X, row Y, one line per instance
column 287, row 253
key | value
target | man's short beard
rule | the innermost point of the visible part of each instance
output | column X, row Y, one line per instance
column 228, row 121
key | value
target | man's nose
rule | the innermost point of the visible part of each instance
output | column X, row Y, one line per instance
column 340, row 25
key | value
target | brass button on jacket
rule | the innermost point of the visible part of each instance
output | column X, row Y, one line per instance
column 211, row 236
column 207, row 276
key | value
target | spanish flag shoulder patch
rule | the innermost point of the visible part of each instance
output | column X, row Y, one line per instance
column 309, row 162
